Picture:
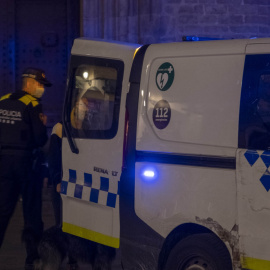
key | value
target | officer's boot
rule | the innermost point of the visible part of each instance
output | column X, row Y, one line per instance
column 31, row 243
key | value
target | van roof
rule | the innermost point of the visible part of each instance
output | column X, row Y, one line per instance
column 233, row 46
column 99, row 46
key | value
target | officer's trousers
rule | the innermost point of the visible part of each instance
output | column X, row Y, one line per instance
column 16, row 177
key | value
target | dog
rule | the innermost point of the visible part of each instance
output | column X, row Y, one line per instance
column 55, row 246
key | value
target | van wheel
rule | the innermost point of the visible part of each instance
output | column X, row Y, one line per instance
column 199, row 252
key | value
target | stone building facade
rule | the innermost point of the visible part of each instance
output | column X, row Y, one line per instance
column 155, row 21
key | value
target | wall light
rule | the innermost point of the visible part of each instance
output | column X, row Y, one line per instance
column 85, row 74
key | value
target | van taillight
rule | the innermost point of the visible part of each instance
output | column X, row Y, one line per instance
column 125, row 140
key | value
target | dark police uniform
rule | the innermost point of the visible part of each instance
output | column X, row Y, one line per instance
column 21, row 131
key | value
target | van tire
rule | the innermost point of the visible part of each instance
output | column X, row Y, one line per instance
column 199, row 252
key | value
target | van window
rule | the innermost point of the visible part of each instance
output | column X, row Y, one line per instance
column 95, row 97
column 254, row 122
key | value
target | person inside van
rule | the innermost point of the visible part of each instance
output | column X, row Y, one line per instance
column 78, row 113
column 87, row 113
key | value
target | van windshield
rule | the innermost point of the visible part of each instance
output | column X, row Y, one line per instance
column 95, row 99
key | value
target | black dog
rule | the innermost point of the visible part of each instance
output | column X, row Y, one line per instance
column 56, row 245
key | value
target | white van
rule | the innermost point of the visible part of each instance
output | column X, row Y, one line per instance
column 165, row 152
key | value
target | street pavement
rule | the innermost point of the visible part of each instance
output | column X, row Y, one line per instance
column 12, row 252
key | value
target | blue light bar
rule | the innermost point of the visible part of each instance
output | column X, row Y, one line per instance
column 195, row 38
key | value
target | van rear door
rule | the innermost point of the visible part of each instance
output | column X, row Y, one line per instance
column 92, row 146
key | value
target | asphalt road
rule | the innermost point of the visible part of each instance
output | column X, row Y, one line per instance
column 12, row 253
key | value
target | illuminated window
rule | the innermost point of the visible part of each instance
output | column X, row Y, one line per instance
column 95, row 94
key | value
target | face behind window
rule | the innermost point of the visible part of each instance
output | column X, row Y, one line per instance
column 81, row 109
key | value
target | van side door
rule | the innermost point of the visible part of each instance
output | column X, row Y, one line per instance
column 253, row 159
column 93, row 143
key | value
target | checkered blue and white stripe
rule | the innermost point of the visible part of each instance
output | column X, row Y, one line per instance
column 92, row 188
column 257, row 160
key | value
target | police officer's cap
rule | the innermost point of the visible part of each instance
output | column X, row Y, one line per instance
column 36, row 74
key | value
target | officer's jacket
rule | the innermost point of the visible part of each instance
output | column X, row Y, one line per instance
column 21, row 127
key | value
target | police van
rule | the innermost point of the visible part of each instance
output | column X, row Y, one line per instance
column 166, row 152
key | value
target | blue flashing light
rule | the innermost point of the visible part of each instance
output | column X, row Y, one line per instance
column 148, row 174
column 190, row 38
column 195, row 38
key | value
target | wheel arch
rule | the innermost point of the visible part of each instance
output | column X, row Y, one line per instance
column 178, row 234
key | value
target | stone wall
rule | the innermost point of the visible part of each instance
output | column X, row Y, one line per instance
column 38, row 33
column 154, row 21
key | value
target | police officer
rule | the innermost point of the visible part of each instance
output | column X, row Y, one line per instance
column 22, row 130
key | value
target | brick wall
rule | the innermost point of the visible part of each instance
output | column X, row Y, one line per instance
column 150, row 21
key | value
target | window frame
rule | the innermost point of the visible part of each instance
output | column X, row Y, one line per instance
column 255, row 66
column 75, row 62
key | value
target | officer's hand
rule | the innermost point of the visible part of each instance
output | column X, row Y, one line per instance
column 43, row 118
column 58, row 187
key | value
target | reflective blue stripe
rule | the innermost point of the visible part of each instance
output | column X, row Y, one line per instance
column 72, row 176
column 104, row 185
column 88, row 180
column 252, row 156
column 86, row 191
